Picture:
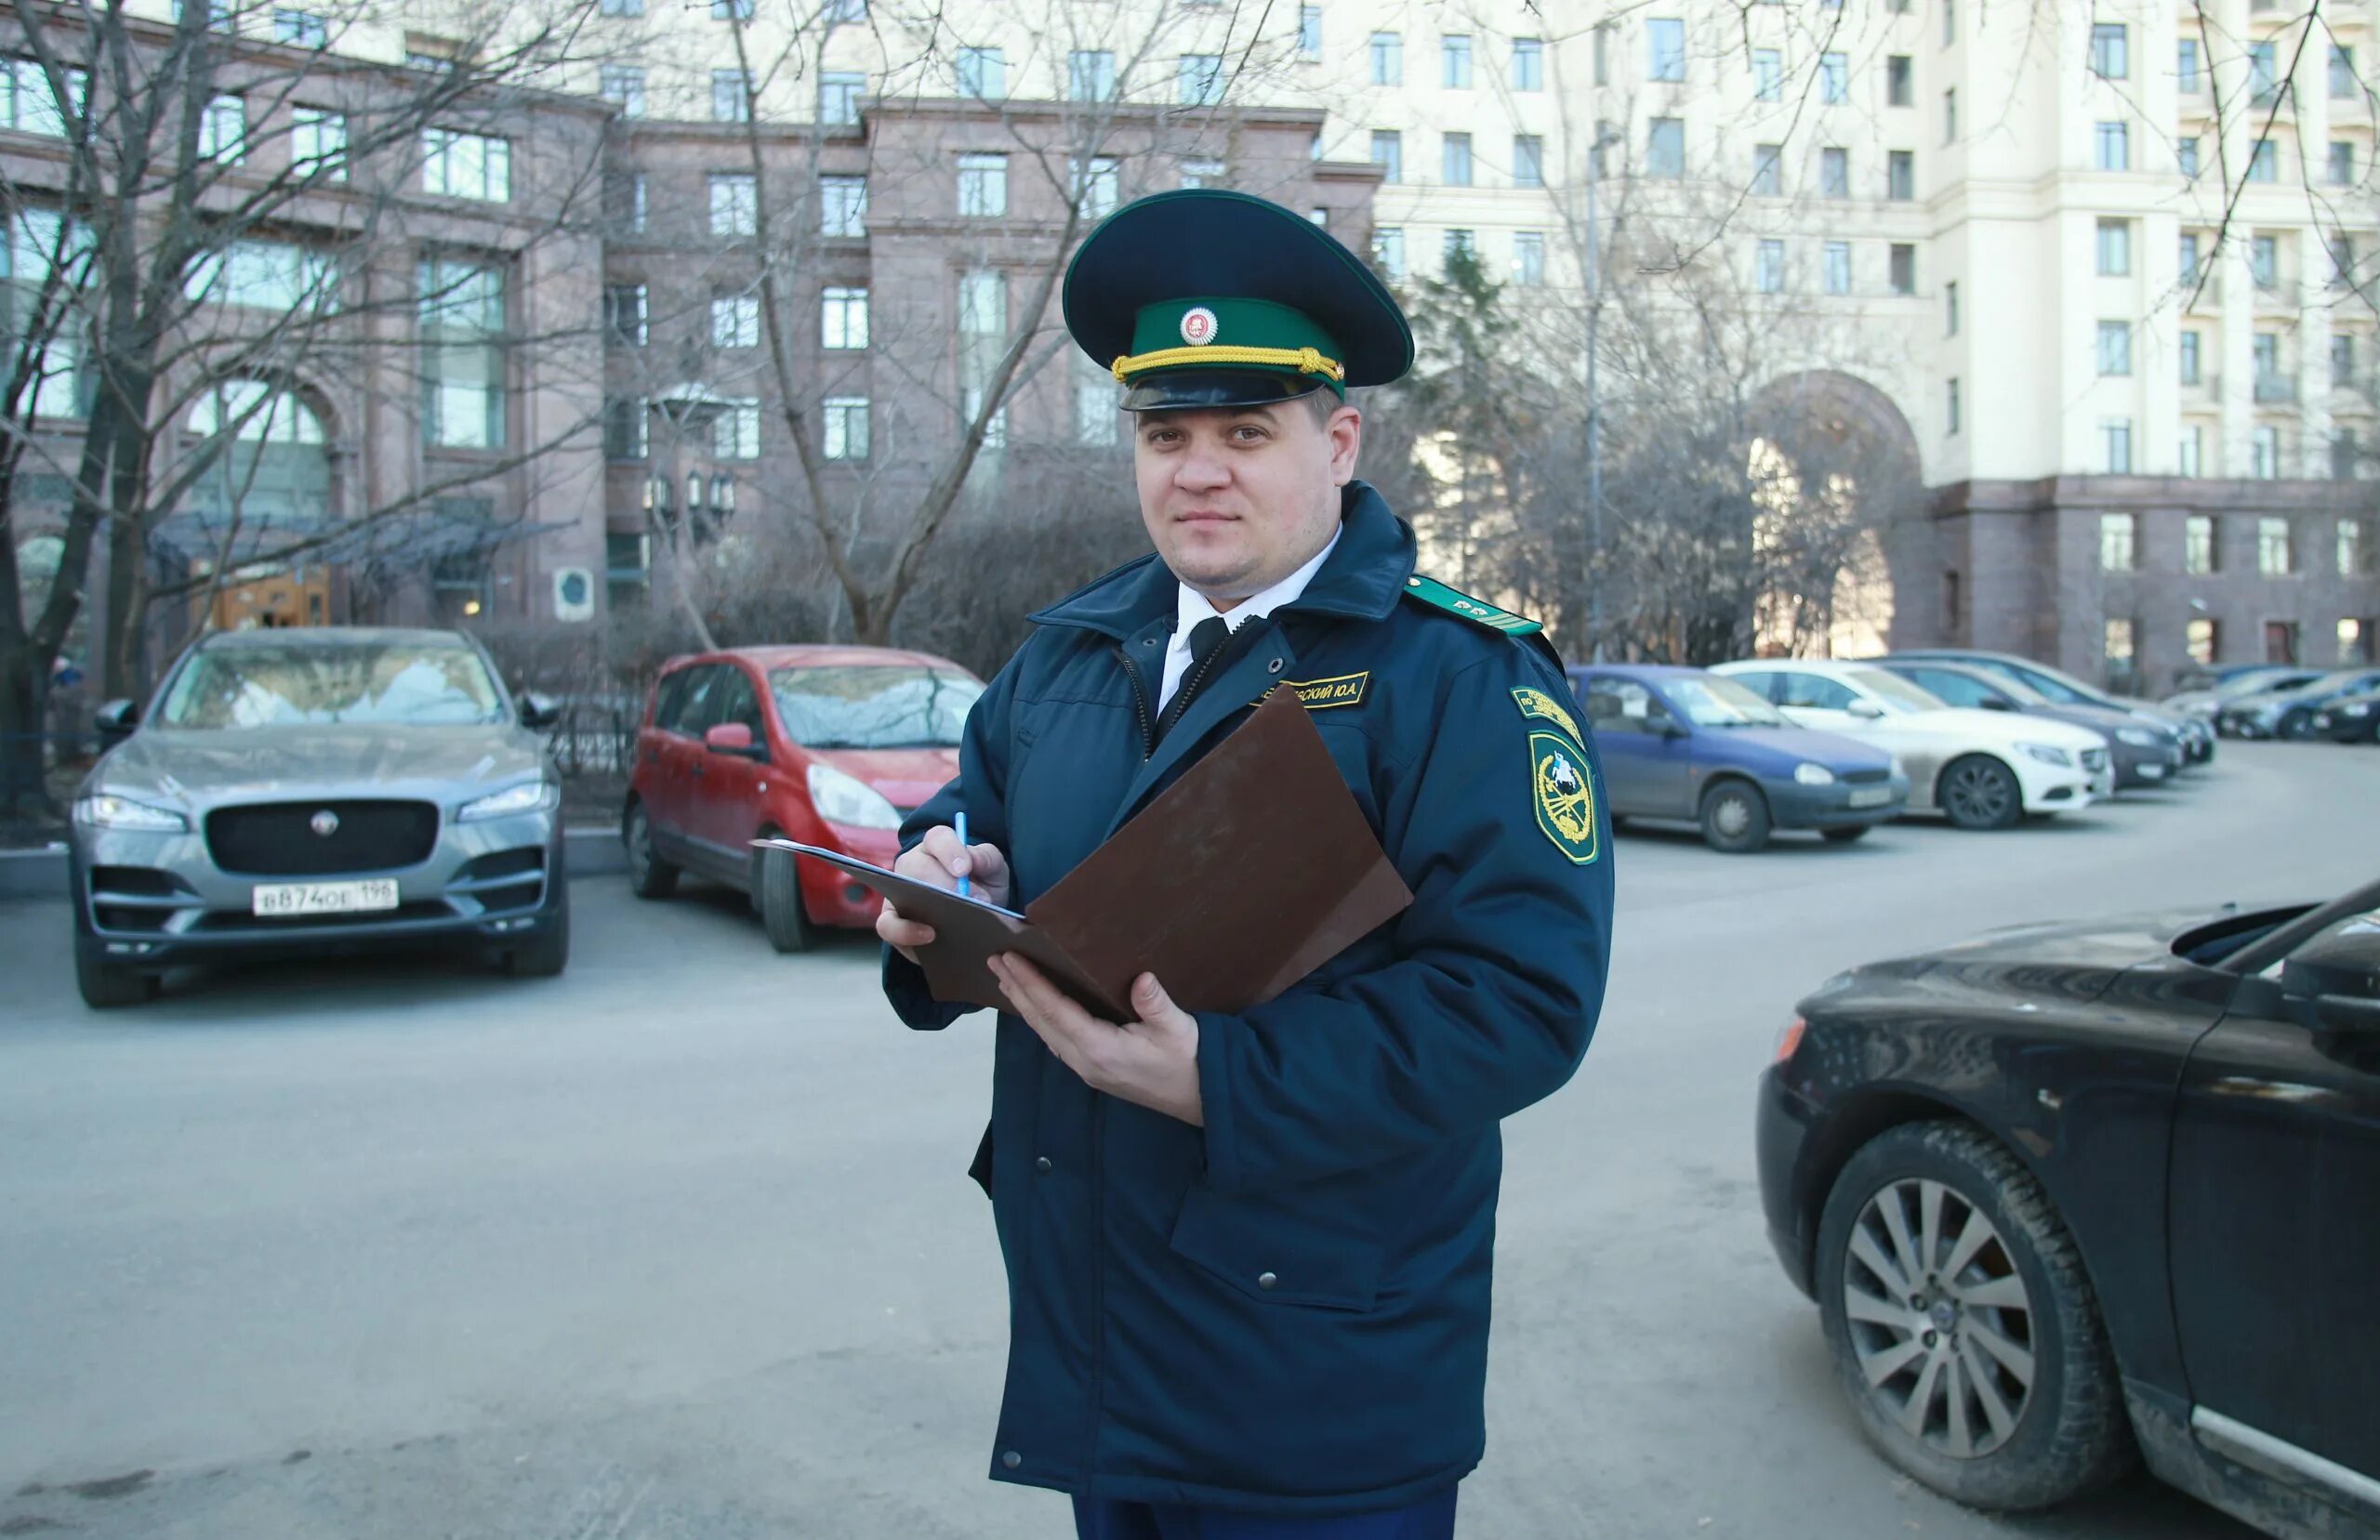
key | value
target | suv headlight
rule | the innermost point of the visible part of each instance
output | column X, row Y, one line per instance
column 2048, row 753
column 852, row 802
column 107, row 810
column 2138, row 737
column 529, row 796
column 2362, row 708
column 1810, row 774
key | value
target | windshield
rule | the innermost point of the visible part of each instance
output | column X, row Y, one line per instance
column 314, row 685
column 2258, row 681
column 1717, row 702
column 2059, row 688
column 873, row 705
column 1894, row 690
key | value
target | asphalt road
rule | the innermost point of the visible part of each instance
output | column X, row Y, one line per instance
column 679, row 1246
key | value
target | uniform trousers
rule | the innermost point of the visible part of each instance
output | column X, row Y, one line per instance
column 1105, row 1518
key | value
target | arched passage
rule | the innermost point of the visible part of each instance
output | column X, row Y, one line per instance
column 269, row 481
column 1837, row 481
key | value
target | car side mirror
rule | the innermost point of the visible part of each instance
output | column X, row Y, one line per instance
column 1993, row 703
column 1868, row 710
column 734, row 738
column 1667, row 726
column 117, row 719
column 539, row 711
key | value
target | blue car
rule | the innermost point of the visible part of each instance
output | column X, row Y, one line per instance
column 1681, row 743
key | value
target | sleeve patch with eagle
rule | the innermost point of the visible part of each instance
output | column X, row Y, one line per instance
column 1566, row 795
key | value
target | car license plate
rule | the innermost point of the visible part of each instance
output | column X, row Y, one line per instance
column 2153, row 772
column 284, row 899
column 1874, row 797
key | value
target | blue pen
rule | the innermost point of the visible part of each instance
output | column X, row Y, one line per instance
column 962, row 840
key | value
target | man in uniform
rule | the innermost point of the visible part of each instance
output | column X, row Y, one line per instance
column 1248, row 1255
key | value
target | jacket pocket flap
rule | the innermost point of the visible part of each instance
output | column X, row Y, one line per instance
column 1276, row 1256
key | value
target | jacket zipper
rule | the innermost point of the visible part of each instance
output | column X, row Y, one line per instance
column 1180, row 706
column 1140, row 702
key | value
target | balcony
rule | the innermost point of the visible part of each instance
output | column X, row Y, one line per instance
column 2276, row 390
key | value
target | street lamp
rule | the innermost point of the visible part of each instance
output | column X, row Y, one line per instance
column 1605, row 137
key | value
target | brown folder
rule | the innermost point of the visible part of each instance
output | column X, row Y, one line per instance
column 1239, row 879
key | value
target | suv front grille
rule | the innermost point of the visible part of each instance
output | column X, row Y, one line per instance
column 277, row 839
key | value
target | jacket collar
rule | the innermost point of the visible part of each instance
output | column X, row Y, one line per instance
column 1361, row 580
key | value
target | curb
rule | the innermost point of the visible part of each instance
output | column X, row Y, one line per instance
column 592, row 852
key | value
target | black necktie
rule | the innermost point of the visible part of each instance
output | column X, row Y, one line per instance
column 1207, row 640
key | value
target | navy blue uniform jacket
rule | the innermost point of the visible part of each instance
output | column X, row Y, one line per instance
column 1287, row 1310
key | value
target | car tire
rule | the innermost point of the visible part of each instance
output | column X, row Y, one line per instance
column 2012, row 1339
column 1847, row 835
column 544, row 957
column 1735, row 817
column 781, row 913
column 1979, row 792
column 649, row 876
column 106, row 987
column 2296, row 727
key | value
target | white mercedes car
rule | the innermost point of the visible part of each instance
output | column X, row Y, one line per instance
column 1984, row 769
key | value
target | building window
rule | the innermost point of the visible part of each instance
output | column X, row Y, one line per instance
column 1952, row 415
column 1198, row 79
column 845, row 421
column 1950, row 116
column 1528, row 64
column 1950, row 308
column 223, row 131
column 623, row 86
column 1834, row 173
column 270, row 275
column 2263, row 452
column 1834, row 78
column 1665, row 45
column 2118, row 536
column 2115, row 248
column 735, row 322
column 2343, row 454
column 2344, row 86
column 1768, row 75
column 2342, row 164
column 2281, row 641
column 731, row 11
column 2188, row 263
column 1603, row 53
column 625, row 420
column 2272, row 547
column 1899, row 75
column 1837, row 270
column 734, row 203
column 1388, row 153
column 2350, row 548
column 1950, row 23
column 1460, row 242
column 843, row 207
column 1768, row 267
column 1767, row 170
column 982, row 73
column 1096, row 410
column 1454, row 63
column 2199, row 640
column 1096, row 185
column 1901, row 265
column 462, row 344
column 2115, row 446
column 1950, row 607
column 1529, row 159
column 2198, row 545
column 1203, row 173
column 731, row 98
column 2186, row 67
column 1458, row 160
column 1900, row 175
column 1309, row 43
column 983, row 342
column 1090, row 75
column 2112, row 146
column 842, row 321
column 1665, row 149
column 2264, row 162
column 2342, row 361
column 2115, row 347
column 466, row 165
column 318, row 143
column 623, row 314
column 2186, row 156
column 838, row 94
column 1388, row 59
column 1528, row 258
column 624, row 205
column 2185, row 452
column 2264, row 75
column 2354, row 646
column 2119, row 647
column 2187, row 349
column 1388, row 251
column 2264, row 260
column 300, row 29
column 2109, row 52
column 735, row 432
column 983, row 185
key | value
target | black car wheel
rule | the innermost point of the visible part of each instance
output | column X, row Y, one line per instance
column 1979, row 792
column 649, row 876
column 2296, row 726
column 1845, row 837
column 109, row 988
column 1735, row 817
column 780, row 896
column 1962, row 1325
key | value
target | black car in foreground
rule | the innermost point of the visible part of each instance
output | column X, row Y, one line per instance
column 2071, row 1196
column 2350, row 718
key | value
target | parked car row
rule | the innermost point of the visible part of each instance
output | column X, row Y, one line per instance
column 1746, row 748
column 2292, row 704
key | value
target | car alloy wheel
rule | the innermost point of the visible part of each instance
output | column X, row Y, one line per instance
column 1940, row 1318
column 1979, row 792
column 1735, row 817
column 649, row 876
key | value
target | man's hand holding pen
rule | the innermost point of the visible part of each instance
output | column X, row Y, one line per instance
column 945, row 861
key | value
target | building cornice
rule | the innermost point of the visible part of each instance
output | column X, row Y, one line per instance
column 2127, row 494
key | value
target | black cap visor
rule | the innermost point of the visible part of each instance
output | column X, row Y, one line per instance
column 1189, row 389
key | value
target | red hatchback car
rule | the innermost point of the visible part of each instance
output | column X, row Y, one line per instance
column 828, row 745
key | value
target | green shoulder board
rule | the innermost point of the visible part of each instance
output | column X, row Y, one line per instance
column 1430, row 591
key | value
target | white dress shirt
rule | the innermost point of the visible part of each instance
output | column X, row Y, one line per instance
column 1190, row 607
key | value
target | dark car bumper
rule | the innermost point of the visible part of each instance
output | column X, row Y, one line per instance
column 2155, row 766
column 1794, row 806
column 1781, row 1135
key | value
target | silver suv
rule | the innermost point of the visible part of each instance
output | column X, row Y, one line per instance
column 307, row 790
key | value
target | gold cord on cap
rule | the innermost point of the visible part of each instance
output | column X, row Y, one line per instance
column 1306, row 360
